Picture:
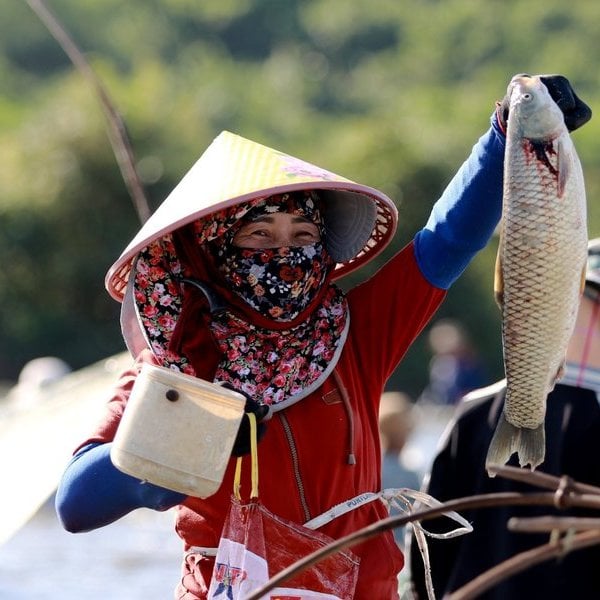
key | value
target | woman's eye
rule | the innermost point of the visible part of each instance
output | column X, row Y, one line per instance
column 307, row 237
column 308, row 234
column 256, row 232
column 272, row 235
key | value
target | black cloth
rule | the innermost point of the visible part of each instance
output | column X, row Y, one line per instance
column 575, row 110
column 572, row 448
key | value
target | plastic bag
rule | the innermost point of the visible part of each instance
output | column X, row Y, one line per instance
column 255, row 545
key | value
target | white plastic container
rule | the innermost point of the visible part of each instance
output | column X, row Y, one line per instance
column 177, row 431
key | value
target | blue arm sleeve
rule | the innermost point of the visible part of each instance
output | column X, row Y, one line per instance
column 464, row 218
column 93, row 492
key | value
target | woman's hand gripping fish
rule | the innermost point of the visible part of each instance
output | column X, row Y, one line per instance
column 540, row 269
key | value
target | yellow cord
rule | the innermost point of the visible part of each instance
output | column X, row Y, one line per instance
column 254, row 454
column 237, row 478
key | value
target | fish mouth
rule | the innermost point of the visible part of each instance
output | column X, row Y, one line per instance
column 523, row 76
column 524, row 81
column 525, row 89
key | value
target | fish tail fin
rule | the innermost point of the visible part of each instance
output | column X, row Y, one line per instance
column 532, row 446
column 504, row 442
column 529, row 444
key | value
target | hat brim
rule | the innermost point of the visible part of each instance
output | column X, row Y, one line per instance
column 360, row 221
column 349, row 223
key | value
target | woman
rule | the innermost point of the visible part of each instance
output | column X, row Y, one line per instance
column 231, row 280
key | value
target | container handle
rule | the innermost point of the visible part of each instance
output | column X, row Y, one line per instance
column 237, row 479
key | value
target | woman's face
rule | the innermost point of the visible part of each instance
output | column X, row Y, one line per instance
column 277, row 230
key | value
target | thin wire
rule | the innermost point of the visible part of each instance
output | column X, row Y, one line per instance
column 117, row 130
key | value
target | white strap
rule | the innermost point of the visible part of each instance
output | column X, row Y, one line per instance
column 341, row 509
column 401, row 499
column 397, row 497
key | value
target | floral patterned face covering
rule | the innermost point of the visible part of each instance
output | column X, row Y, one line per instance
column 279, row 283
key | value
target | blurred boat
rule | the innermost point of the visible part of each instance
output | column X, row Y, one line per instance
column 38, row 436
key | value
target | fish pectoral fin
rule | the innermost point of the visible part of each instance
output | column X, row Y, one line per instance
column 499, row 280
column 582, row 282
column 559, row 374
column 563, row 167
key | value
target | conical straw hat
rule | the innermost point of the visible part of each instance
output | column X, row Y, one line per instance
column 359, row 220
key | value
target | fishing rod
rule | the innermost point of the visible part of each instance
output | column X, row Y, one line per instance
column 117, row 130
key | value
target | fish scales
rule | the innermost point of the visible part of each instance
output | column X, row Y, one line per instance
column 540, row 268
column 538, row 304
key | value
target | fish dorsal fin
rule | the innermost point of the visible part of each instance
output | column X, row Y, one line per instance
column 563, row 166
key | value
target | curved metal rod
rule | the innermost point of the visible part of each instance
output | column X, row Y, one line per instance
column 460, row 504
column 522, row 561
column 541, row 479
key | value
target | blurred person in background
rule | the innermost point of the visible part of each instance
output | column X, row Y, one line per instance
column 572, row 448
column 455, row 367
column 36, row 376
column 396, row 423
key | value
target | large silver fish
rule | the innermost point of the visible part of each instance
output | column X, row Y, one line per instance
column 541, row 265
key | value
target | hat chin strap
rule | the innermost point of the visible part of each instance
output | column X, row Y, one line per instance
column 216, row 304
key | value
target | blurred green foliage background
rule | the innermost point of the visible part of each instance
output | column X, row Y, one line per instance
column 390, row 93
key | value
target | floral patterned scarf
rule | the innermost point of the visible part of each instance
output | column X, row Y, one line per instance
column 276, row 351
column 278, row 283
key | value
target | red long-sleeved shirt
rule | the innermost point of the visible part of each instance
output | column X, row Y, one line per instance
column 303, row 463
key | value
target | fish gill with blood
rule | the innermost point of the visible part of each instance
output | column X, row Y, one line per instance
column 540, row 268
